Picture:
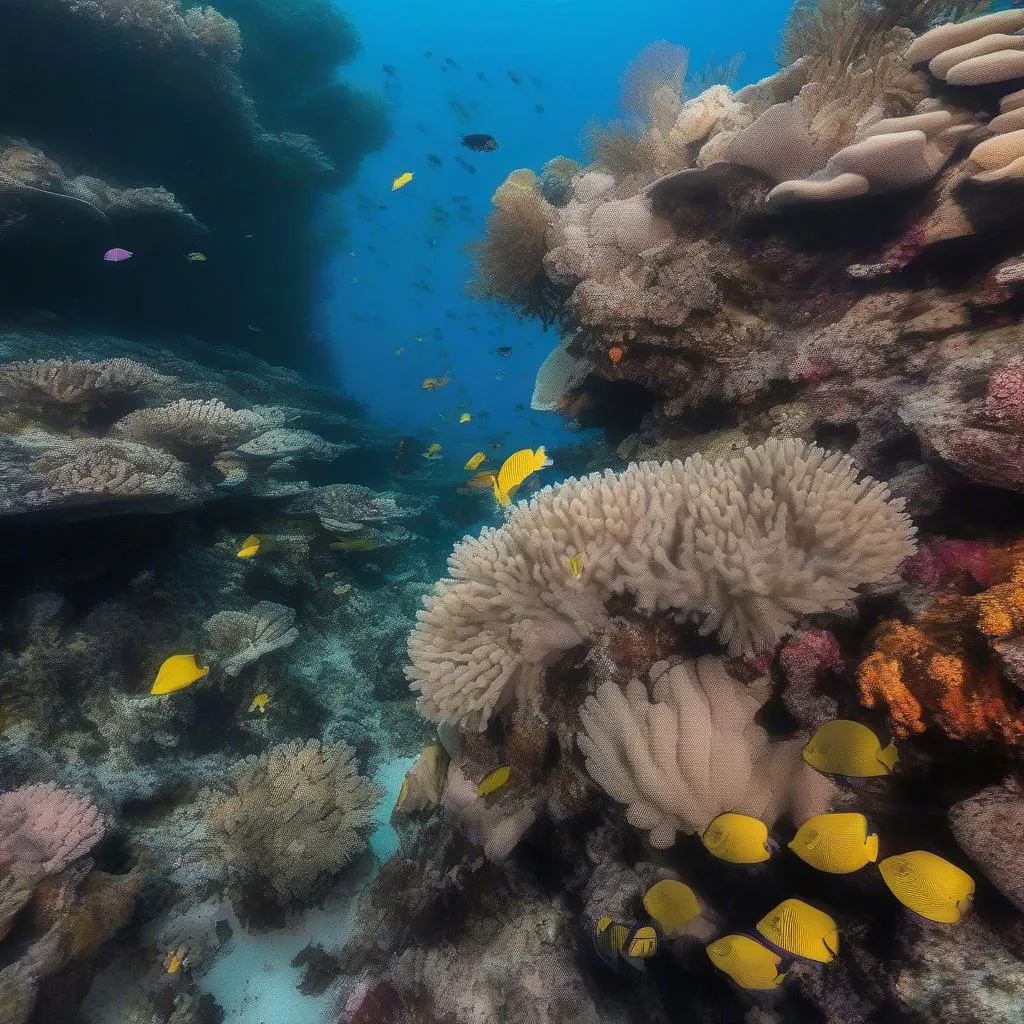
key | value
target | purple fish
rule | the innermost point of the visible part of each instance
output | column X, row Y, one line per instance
column 117, row 255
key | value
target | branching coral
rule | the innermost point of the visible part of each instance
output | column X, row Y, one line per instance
column 296, row 817
column 695, row 752
column 941, row 671
column 348, row 508
column 44, row 828
column 744, row 546
column 240, row 638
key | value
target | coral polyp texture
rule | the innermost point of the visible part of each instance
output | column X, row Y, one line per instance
column 953, row 666
column 691, row 751
column 44, row 828
column 745, row 547
column 296, row 817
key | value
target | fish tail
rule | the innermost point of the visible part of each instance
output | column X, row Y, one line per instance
column 871, row 848
column 888, row 756
column 502, row 498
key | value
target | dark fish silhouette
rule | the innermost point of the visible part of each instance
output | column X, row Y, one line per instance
column 504, row 351
column 462, row 163
column 479, row 142
column 433, row 161
column 539, row 109
column 513, row 77
column 389, row 69
column 450, row 63
column 481, row 76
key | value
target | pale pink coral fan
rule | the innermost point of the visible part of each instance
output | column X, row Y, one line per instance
column 1004, row 402
column 46, row 828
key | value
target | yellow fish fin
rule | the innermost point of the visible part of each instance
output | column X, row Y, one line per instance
column 493, row 782
column 871, row 847
column 642, row 943
column 403, row 793
column 888, row 756
column 576, row 566
column 174, row 964
column 500, row 496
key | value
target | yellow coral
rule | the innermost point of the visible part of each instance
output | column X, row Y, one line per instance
column 880, row 680
column 1001, row 608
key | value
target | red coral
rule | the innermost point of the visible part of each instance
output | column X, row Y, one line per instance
column 1004, row 401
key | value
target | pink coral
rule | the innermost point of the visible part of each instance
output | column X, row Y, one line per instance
column 46, row 828
column 938, row 562
column 1004, row 402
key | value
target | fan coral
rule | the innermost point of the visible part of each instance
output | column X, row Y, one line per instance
column 941, row 669
column 695, row 752
column 296, row 817
column 744, row 546
column 509, row 261
column 240, row 638
column 44, row 828
column 195, row 429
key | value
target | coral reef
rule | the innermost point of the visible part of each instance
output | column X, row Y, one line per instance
column 296, row 817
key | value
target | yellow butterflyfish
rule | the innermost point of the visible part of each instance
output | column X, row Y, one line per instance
column 576, row 566
column 401, row 181
column 844, row 747
column 196, row 257
column 481, row 481
column 632, row 942
column 515, row 469
column 433, row 452
column 260, row 702
column 465, row 418
column 424, row 783
column 174, row 963
column 801, row 930
column 342, row 589
column 928, row 885
column 474, row 461
column 672, row 905
column 250, row 547
column 746, row 961
column 737, row 838
column 177, row 672
column 493, row 782
column 836, row 843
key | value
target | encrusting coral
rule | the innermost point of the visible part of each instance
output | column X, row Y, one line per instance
column 691, row 751
column 744, row 546
column 296, row 817
column 943, row 669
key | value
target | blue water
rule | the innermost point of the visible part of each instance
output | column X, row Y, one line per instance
column 371, row 305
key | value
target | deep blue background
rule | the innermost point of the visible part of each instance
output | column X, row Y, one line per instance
column 576, row 50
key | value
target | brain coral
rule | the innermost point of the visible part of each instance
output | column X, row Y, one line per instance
column 744, row 546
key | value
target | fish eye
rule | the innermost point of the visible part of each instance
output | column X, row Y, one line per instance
column 714, row 835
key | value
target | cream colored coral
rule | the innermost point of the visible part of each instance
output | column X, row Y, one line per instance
column 55, row 383
column 744, row 546
column 240, row 638
column 694, row 752
column 193, row 427
column 945, row 37
column 296, row 816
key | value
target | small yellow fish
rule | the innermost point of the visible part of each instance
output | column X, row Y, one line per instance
column 672, row 905
column 481, row 481
column 433, row 383
column 177, row 672
column 174, row 963
column 196, row 257
column 746, row 961
column 737, row 838
column 401, row 181
column 424, row 783
column 836, row 843
column 354, row 544
column 576, row 566
column 635, row 942
column 465, row 418
column 474, row 461
column 801, row 930
column 433, row 452
column 342, row 589
column 929, row 885
column 250, row 547
column 493, row 782
column 515, row 469
column 260, row 702
column 843, row 747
